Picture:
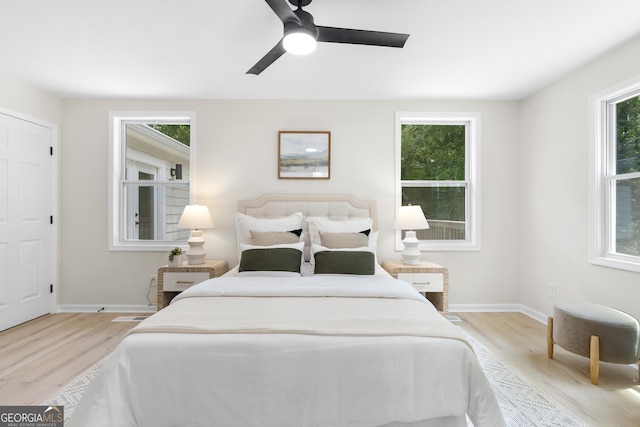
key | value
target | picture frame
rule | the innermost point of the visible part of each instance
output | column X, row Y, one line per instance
column 304, row 155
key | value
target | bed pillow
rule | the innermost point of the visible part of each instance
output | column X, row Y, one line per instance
column 246, row 223
column 344, row 240
column 268, row 238
column 337, row 240
column 355, row 261
column 319, row 224
column 274, row 260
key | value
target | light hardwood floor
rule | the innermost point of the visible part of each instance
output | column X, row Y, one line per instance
column 39, row 357
column 522, row 343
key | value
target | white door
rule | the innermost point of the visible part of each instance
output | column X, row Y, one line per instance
column 26, row 234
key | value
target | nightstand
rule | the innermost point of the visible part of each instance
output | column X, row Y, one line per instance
column 428, row 278
column 173, row 280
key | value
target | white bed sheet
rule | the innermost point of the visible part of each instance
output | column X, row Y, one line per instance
column 268, row 380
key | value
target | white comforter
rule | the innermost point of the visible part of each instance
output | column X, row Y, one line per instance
column 253, row 379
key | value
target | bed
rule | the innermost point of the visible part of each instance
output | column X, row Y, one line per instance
column 307, row 330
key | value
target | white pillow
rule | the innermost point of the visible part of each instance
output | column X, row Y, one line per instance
column 351, row 225
column 298, row 245
column 246, row 223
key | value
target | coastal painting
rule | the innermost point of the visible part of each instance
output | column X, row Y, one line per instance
column 304, row 154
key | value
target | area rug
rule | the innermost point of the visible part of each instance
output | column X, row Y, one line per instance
column 522, row 403
column 69, row 395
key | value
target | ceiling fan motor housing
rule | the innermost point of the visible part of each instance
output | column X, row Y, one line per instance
column 306, row 22
column 299, row 3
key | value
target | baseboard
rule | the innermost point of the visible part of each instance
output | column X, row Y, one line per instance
column 95, row 308
column 519, row 308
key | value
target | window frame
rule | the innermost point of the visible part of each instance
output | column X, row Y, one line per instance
column 602, row 204
column 117, row 164
column 472, row 177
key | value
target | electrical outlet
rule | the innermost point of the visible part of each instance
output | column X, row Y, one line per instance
column 552, row 290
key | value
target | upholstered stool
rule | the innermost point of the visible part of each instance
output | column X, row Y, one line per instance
column 594, row 331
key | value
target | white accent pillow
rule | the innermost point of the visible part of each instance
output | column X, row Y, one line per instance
column 246, row 223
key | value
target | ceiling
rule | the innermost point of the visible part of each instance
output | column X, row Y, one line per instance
column 201, row 49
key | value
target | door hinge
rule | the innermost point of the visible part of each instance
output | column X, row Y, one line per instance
column 51, row 219
column 51, row 288
column 51, row 151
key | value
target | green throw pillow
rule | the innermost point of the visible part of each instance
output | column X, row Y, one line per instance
column 344, row 262
column 271, row 259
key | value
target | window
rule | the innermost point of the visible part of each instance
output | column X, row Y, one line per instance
column 150, row 170
column 437, row 168
column 615, row 177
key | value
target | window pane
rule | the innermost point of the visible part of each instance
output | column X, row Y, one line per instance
column 444, row 208
column 628, row 217
column 153, row 211
column 146, row 212
column 628, row 136
column 433, row 152
column 159, row 153
column 180, row 133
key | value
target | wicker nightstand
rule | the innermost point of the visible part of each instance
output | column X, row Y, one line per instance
column 428, row 278
column 173, row 280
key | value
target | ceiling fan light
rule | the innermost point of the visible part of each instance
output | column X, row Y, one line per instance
column 299, row 42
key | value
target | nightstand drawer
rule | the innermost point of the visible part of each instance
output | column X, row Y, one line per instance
column 424, row 282
column 179, row 281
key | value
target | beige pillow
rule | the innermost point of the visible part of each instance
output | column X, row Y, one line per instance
column 268, row 238
column 343, row 240
column 319, row 224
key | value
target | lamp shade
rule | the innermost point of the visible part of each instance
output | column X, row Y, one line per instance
column 410, row 217
column 196, row 217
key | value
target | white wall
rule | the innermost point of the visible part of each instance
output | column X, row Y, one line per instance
column 23, row 98
column 534, row 185
column 236, row 146
column 554, row 196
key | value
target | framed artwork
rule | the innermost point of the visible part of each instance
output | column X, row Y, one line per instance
column 304, row 154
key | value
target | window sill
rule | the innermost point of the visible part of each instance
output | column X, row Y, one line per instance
column 632, row 264
column 140, row 246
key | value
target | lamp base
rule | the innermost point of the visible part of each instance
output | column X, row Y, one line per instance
column 411, row 253
column 196, row 253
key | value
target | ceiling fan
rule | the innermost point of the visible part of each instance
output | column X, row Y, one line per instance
column 301, row 34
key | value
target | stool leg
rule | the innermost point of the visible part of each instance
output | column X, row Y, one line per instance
column 594, row 358
column 550, row 337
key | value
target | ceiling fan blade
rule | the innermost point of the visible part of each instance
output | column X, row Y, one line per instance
column 271, row 56
column 282, row 9
column 351, row 36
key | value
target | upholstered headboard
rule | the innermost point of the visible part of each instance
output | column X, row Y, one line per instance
column 333, row 206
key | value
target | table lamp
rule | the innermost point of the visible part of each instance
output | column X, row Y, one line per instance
column 196, row 217
column 410, row 218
